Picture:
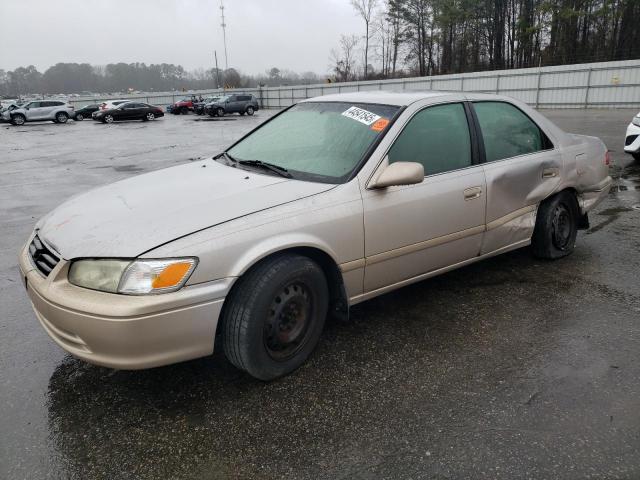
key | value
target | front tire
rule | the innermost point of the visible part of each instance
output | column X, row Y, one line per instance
column 556, row 227
column 18, row 119
column 220, row 112
column 274, row 316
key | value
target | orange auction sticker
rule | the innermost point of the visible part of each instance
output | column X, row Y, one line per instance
column 379, row 125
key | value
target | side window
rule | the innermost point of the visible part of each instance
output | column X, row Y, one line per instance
column 34, row 105
column 507, row 131
column 437, row 137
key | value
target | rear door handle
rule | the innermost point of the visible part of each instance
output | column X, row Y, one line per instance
column 550, row 172
column 472, row 193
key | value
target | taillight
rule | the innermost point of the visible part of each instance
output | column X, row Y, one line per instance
column 607, row 158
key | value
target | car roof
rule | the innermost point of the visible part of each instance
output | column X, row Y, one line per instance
column 400, row 99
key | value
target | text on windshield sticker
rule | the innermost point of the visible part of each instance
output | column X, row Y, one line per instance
column 361, row 115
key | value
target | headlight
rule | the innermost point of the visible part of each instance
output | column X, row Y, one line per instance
column 636, row 121
column 132, row 277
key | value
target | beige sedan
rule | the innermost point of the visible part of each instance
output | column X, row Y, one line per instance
column 329, row 203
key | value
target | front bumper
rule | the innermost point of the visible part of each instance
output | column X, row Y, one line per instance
column 122, row 331
column 632, row 139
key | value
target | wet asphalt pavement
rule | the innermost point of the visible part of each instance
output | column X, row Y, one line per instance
column 510, row 368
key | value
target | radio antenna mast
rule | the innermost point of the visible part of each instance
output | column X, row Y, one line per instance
column 224, row 35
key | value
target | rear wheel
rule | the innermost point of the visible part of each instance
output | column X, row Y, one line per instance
column 184, row 110
column 18, row 119
column 556, row 227
column 61, row 117
column 149, row 116
column 250, row 110
column 274, row 316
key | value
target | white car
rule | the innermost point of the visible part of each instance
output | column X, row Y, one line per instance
column 111, row 104
column 632, row 138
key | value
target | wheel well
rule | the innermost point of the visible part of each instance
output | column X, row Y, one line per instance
column 338, row 301
column 583, row 218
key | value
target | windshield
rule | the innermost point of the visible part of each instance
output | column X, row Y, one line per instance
column 321, row 141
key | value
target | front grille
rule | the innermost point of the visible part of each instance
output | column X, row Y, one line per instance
column 43, row 258
column 629, row 140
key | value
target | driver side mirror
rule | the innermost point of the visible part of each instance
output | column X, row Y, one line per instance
column 398, row 173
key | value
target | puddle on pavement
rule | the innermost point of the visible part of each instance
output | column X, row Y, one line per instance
column 627, row 180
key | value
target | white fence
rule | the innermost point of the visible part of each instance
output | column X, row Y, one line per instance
column 591, row 85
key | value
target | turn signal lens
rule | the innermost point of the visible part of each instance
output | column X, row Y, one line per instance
column 156, row 276
column 172, row 275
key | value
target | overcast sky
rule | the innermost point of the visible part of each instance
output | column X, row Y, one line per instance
column 288, row 34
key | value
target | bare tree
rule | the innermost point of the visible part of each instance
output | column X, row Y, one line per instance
column 342, row 60
column 365, row 9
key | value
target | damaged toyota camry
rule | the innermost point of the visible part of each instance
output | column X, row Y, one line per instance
column 329, row 203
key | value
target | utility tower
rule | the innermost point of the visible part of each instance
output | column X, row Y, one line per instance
column 224, row 35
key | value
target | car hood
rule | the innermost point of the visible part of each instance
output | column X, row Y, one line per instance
column 132, row 216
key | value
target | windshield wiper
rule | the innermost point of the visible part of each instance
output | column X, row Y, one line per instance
column 260, row 164
column 283, row 172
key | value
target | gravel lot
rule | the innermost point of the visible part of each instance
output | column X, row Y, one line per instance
column 510, row 368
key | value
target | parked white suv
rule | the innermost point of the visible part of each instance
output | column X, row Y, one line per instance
column 632, row 138
column 38, row 111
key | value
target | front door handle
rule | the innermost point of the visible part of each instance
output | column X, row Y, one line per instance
column 550, row 172
column 472, row 193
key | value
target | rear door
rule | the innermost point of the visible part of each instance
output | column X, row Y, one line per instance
column 416, row 229
column 522, row 168
column 132, row 111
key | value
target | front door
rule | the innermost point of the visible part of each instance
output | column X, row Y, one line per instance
column 34, row 111
column 412, row 230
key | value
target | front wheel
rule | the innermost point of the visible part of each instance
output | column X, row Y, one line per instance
column 220, row 112
column 18, row 119
column 274, row 316
column 556, row 227
column 108, row 119
column 79, row 117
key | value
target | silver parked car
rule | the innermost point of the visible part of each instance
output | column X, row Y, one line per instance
column 331, row 202
column 38, row 111
column 241, row 104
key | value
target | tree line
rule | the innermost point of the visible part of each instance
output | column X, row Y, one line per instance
column 66, row 78
column 431, row 37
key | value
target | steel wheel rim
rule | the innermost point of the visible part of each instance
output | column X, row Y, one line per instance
column 561, row 227
column 288, row 322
